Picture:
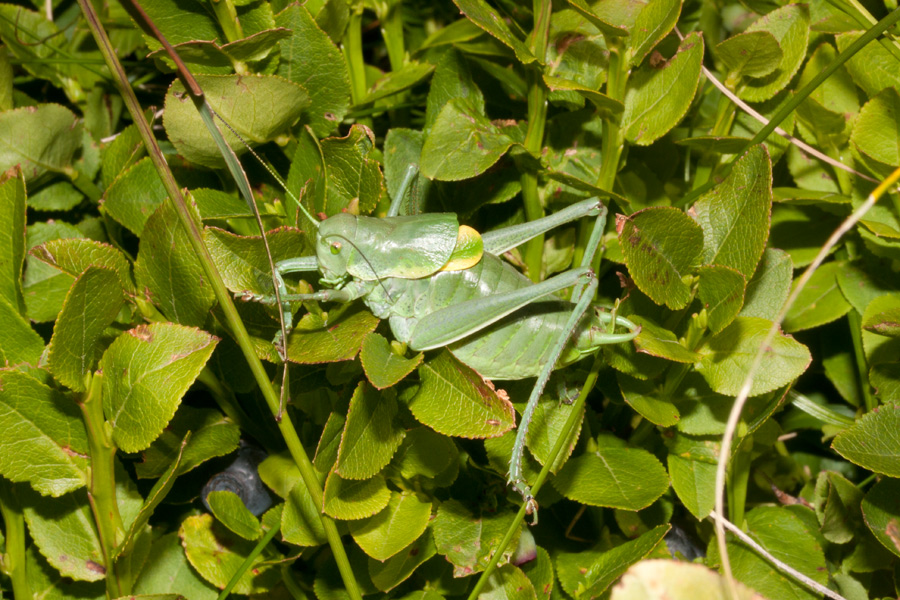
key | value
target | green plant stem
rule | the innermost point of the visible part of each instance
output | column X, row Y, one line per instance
column 102, row 486
column 227, row 17
column 85, row 185
column 571, row 422
column 248, row 562
column 392, row 33
column 533, row 250
column 854, row 319
column 298, row 453
column 14, row 531
column 725, row 113
column 738, row 478
column 795, row 100
column 353, row 55
column 612, row 144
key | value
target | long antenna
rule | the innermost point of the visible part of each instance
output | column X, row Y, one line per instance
column 268, row 168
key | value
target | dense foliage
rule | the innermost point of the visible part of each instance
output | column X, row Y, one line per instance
column 130, row 378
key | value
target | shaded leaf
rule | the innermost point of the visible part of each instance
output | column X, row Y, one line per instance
column 146, row 372
column 454, row 400
column 91, row 305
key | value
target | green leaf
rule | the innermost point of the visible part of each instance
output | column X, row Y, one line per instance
column 837, row 504
column 76, row 255
column 653, row 23
column 40, row 139
column 735, row 214
column 452, row 79
column 19, row 343
column 606, row 106
column 12, row 239
column 258, row 107
column 146, row 372
column 661, row 246
column 547, row 425
column 787, row 538
column 169, row 571
column 313, row 341
column 63, row 530
column 789, row 25
column 90, row 307
column 370, row 436
column 43, row 286
column 467, row 541
column 215, row 204
column 46, row 582
column 882, row 316
column 389, row 574
column 157, row 494
column 877, row 128
column 311, row 59
column 462, row 143
column 383, row 367
column 648, row 400
column 229, row 509
column 770, row 285
column 212, row 434
column 656, row 341
column 604, row 18
column 424, row 453
column 135, row 195
column 398, row 81
column 337, row 172
column 508, row 583
column 680, row 580
column 721, row 291
column 872, row 441
column 820, row 301
column 587, row 574
column 750, row 54
column 483, row 15
column 694, row 481
column 540, row 572
column 656, row 99
column 168, row 271
column 800, row 231
column 217, row 554
column 873, row 68
column 454, row 400
column 881, row 511
column 301, row 521
column 242, row 260
column 119, row 154
column 393, row 529
column 349, row 500
column 45, row 443
column 626, row 478
column 727, row 357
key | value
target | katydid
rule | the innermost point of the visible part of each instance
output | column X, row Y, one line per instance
column 443, row 285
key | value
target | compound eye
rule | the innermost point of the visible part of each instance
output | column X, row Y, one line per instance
column 335, row 247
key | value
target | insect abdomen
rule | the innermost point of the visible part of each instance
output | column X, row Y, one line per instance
column 515, row 347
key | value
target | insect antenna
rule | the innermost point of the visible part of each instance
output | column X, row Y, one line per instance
column 268, row 168
column 378, row 278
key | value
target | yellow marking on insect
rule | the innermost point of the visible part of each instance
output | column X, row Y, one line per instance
column 467, row 252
